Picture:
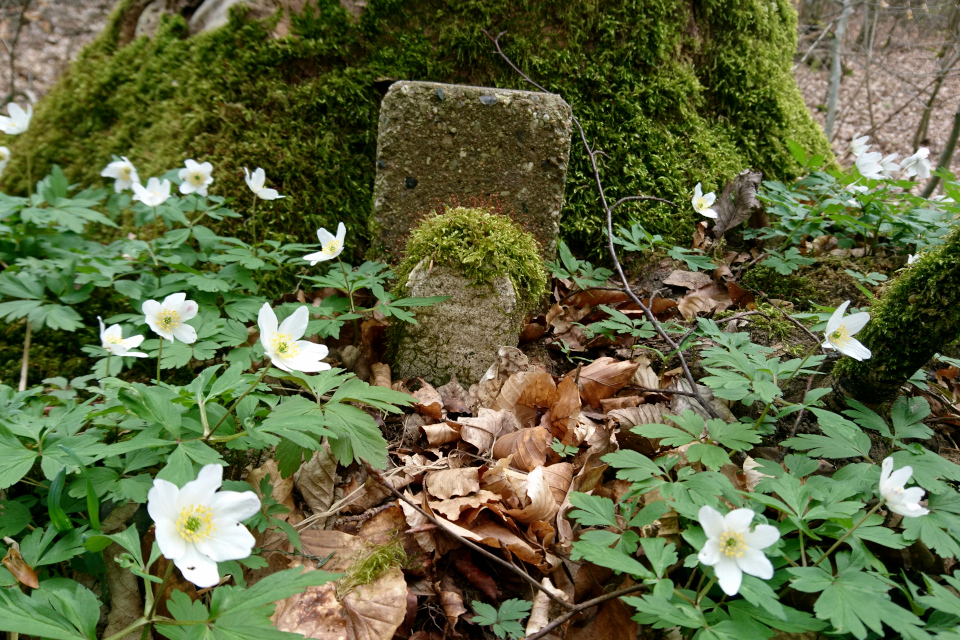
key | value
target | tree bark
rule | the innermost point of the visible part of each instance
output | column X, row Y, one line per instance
column 946, row 156
column 836, row 70
column 917, row 316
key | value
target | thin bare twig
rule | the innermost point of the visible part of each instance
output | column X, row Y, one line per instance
column 583, row 606
column 376, row 475
column 592, row 155
column 640, row 197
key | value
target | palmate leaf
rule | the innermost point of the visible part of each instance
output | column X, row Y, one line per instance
column 593, row 511
column 841, row 438
column 60, row 609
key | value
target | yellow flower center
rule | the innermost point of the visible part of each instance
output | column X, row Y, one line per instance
column 196, row 523
column 732, row 544
column 112, row 339
column 332, row 246
column 197, row 179
column 168, row 319
column 701, row 203
column 125, row 173
column 284, row 345
column 841, row 336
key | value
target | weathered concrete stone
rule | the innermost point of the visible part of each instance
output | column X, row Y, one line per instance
column 461, row 335
column 441, row 141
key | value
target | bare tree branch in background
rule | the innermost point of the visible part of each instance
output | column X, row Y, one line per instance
column 836, row 70
column 19, row 11
column 946, row 63
column 946, row 156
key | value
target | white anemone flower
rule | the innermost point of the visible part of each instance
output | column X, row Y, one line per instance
column 154, row 194
column 888, row 165
column 859, row 144
column 111, row 339
column 331, row 245
column 703, row 201
column 911, row 258
column 196, row 177
column 4, row 158
column 905, row 502
column 123, row 172
column 169, row 320
column 283, row 344
column 198, row 526
column 732, row 549
column 840, row 332
column 256, row 180
column 868, row 164
column 917, row 164
column 19, row 120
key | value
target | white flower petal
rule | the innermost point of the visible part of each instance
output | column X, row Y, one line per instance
column 855, row 350
column 729, row 576
column 754, row 562
column 201, row 490
column 267, row 321
column 198, row 568
column 762, row 536
column 711, row 520
column 309, row 358
column 171, row 543
column 296, row 324
column 235, row 505
column 132, row 342
column 269, row 194
column 837, row 318
column 855, row 322
column 325, row 236
column 341, row 233
column 185, row 333
column 710, row 554
column 314, row 258
column 710, row 198
column 162, row 500
column 738, row 520
column 231, row 542
column 709, row 213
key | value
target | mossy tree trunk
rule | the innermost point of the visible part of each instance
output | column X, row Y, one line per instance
column 917, row 316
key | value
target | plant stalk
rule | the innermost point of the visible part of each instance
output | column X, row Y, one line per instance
column 233, row 406
column 346, row 281
column 847, row 534
column 156, row 600
column 159, row 356
column 25, row 361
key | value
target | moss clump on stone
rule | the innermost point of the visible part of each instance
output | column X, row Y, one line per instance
column 673, row 92
column 917, row 315
column 482, row 246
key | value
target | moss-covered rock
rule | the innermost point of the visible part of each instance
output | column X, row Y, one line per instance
column 673, row 91
column 917, row 316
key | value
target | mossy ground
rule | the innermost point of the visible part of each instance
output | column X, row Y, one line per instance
column 481, row 245
column 824, row 283
column 674, row 93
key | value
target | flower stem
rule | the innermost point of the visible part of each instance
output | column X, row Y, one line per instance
column 156, row 600
column 263, row 374
column 108, row 364
column 706, row 589
column 847, row 534
column 254, row 216
column 786, row 382
column 25, row 362
column 133, row 626
column 347, row 282
column 159, row 355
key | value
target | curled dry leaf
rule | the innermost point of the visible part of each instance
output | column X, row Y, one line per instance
column 429, row 402
column 451, row 600
column 681, row 403
column 313, row 613
column 562, row 319
column 454, row 396
column 418, row 521
column 595, row 298
column 603, row 377
column 645, row 376
column 509, row 361
column 487, row 427
column 317, row 481
column 558, row 478
column 281, row 488
column 540, row 611
column 380, row 375
column 751, row 475
column 528, row 446
column 688, row 279
column 564, row 412
column 478, row 578
column 22, row 571
column 451, row 508
column 631, row 417
column 737, row 202
column 452, row 482
column 524, row 392
column 126, row 603
column 505, row 482
column 613, row 621
column 374, row 611
column 441, row 432
column 540, row 503
column 708, row 298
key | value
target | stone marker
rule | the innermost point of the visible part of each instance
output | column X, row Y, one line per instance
column 442, row 141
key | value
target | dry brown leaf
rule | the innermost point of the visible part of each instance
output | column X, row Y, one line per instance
column 451, row 508
column 613, row 621
column 603, row 377
column 442, row 432
column 688, row 279
column 737, row 202
column 451, row 600
column 317, row 481
column 751, row 475
column 541, row 504
column 509, row 361
column 524, row 392
column 645, row 376
column 415, row 520
column 321, row 544
column 595, row 298
column 483, row 430
column 505, row 482
column 454, row 396
column 374, row 611
column 313, row 613
column 540, row 612
column 22, row 571
column 532, row 331
column 452, row 482
column 558, row 477
column 380, row 375
column 478, row 578
column 631, row 417
column 282, row 488
column 529, row 446
column 126, row 603
column 429, row 402
column 564, row 412
column 708, row 298
column 562, row 319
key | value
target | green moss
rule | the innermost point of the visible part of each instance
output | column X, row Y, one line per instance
column 673, row 92
column 824, row 282
column 371, row 565
column 482, row 246
column 917, row 315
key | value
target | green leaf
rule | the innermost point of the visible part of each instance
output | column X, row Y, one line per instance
column 610, row 558
column 631, row 465
column 60, row 609
column 842, row 438
column 15, row 461
column 660, row 553
column 593, row 511
column 710, row 455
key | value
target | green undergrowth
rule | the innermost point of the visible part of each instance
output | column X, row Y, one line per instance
column 482, row 246
column 823, row 283
column 674, row 93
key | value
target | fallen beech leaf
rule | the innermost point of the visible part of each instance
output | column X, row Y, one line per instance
column 478, row 578
column 451, row 600
column 613, row 621
column 317, row 481
column 532, row 331
column 739, row 296
column 529, row 446
column 282, row 488
column 737, row 202
column 541, row 504
column 540, row 611
column 562, row 319
column 380, row 375
column 23, row 572
column 603, row 377
column 126, row 603
column 442, row 432
column 564, row 412
column 558, row 477
column 417, row 522
column 688, row 279
column 708, row 298
column 486, row 427
column 752, row 476
column 612, row 404
column 509, row 360
column 451, row 508
column 631, row 417
column 596, row 297
column 524, row 392
column 374, row 611
column 313, row 613
column 645, row 376
column 454, row 396
column 429, row 402
column 452, row 482
column 505, row 482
